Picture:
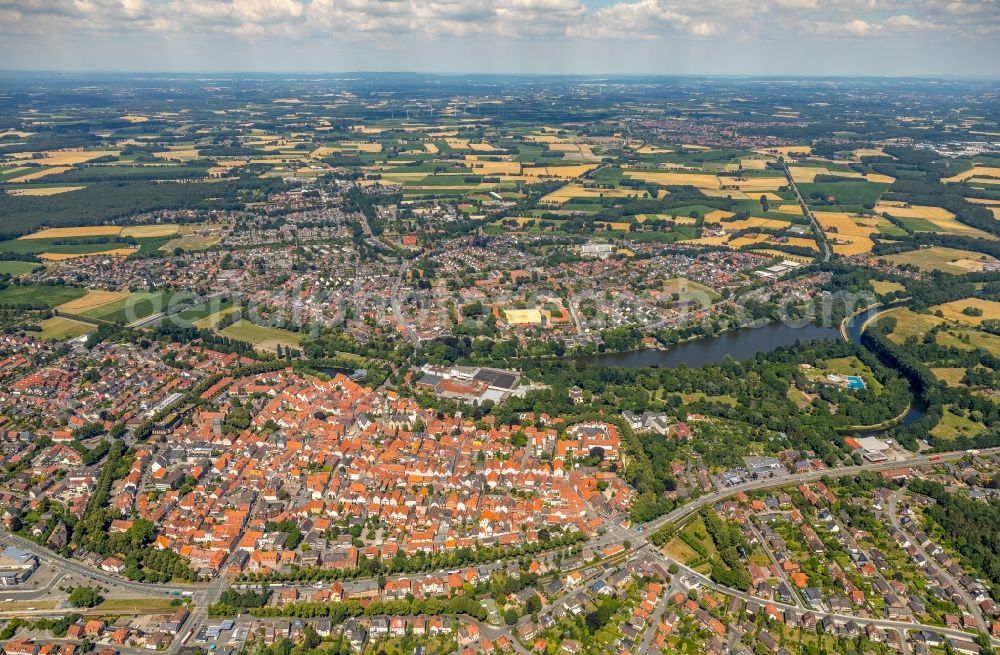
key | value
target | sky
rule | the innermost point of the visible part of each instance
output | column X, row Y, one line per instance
column 714, row 37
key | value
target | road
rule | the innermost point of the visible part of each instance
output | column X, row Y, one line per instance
column 820, row 236
column 615, row 534
column 970, row 602
column 397, row 305
column 78, row 568
column 771, row 483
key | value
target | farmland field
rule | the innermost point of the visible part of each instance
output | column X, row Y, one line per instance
column 16, row 268
column 74, row 232
column 129, row 308
column 93, row 300
column 60, row 328
column 40, row 294
column 948, row 260
column 952, row 311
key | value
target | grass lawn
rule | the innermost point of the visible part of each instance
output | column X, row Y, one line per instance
column 139, row 604
column 701, row 395
column 953, row 426
column 211, row 321
column 885, row 286
column 798, row 397
column 59, row 328
column 952, row 376
column 17, row 268
column 40, row 294
column 680, row 551
column 687, row 290
column 263, row 338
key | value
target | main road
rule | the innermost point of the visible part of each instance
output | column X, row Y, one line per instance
column 808, row 212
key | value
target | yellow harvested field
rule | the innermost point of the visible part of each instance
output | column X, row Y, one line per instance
column 983, row 201
column 39, row 173
column 363, row 146
column 523, row 316
column 564, row 194
column 183, row 154
column 43, row 191
column 953, row 226
column 802, row 242
column 457, row 144
column 851, row 235
column 93, row 299
column 753, row 184
column 653, row 150
column 61, row 256
column 139, row 231
column 72, row 157
column 806, row 174
column 708, row 241
column 543, row 138
column 748, row 240
column 679, row 220
column 735, row 194
column 787, row 150
column 753, row 163
column 788, row 209
column 981, row 172
column 482, row 147
column 869, row 152
column 559, row 172
column 952, row 311
column 323, row 151
column 783, row 255
column 495, row 167
column 431, row 148
column 16, row 133
column 717, row 215
column 133, row 118
column 699, row 180
column 753, row 222
column 902, row 210
column 70, row 232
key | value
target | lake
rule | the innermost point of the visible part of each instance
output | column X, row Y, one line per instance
column 741, row 344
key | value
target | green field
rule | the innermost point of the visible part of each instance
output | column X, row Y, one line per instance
column 844, row 193
column 17, row 268
column 40, row 294
column 131, row 308
column 264, row 338
column 60, row 246
column 59, row 328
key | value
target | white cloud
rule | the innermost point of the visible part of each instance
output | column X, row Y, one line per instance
column 350, row 20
